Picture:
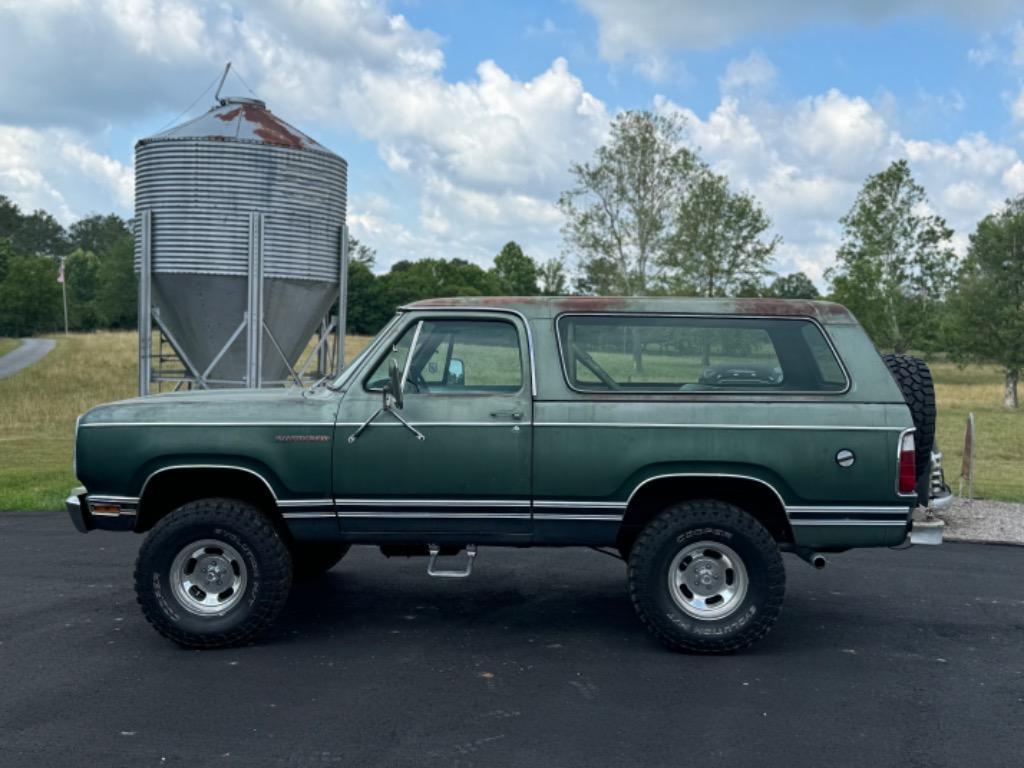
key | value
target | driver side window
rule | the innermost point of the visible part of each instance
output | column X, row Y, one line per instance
column 458, row 356
column 399, row 351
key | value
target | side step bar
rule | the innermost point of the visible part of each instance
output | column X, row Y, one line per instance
column 435, row 551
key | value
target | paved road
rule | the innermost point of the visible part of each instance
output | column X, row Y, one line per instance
column 884, row 659
column 31, row 351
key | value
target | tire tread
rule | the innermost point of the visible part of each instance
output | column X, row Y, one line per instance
column 275, row 578
column 700, row 513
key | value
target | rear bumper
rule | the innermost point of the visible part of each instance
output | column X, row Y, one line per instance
column 941, row 502
column 90, row 513
column 927, row 532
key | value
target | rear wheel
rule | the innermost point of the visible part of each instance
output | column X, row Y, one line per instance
column 706, row 577
column 212, row 573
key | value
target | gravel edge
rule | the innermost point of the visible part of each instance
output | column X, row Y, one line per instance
column 983, row 520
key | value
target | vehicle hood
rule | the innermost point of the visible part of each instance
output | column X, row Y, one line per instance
column 219, row 406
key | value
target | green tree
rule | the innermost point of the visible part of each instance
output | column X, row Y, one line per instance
column 367, row 309
column 552, row 278
column 720, row 246
column 895, row 262
column 30, row 297
column 10, row 217
column 40, row 234
column 619, row 215
column 116, row 302
column 793, row 286
column 82, row 273
column 414, row 280
column 361, row 253
column 6, row 253
column 31, row 234
column 98, row 234
column 986, row 308
column 515, row 271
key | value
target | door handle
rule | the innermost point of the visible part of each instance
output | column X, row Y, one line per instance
column 517, row 415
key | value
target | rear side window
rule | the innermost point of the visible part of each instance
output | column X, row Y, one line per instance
column 660, row 353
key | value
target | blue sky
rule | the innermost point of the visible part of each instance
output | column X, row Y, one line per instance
column 459, row 119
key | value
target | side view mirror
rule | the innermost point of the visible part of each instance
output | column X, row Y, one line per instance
column 456, row 372
column 393, row 386
column 392, row 394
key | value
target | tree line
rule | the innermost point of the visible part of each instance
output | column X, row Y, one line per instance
column 645, row 216
column 97, row 253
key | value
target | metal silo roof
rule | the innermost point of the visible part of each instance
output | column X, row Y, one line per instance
column 238, row 119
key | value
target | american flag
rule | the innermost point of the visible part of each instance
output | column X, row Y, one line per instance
column 60, row 273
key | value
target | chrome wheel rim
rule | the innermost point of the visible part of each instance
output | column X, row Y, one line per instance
column 208, row 577
column 707, row 580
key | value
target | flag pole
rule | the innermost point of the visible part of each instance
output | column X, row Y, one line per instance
column 64, row 290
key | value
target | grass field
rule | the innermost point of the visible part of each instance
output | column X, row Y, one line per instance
column 6, row 345
column 38, row 408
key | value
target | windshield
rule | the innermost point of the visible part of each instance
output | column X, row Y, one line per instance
column 346, row 375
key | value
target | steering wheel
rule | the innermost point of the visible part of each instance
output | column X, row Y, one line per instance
column 592, row 365
column 417, row 380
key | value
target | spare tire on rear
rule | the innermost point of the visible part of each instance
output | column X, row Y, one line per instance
column 915, row 382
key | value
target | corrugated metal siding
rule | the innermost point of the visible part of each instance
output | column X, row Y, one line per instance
column 202, row 190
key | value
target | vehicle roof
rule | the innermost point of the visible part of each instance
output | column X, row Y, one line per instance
column 550, row 306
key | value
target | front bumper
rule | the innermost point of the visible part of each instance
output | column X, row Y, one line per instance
column 90, row 513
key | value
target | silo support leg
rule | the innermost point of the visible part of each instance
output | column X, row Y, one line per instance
column 145, row 303
column 199, row 378
column 325, row 335
column 282, row 354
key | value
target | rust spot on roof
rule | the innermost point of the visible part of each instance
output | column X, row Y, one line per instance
column 267, row 127
column 590, row 303
column 824, row 311
column 272, row 130
column 800, row 307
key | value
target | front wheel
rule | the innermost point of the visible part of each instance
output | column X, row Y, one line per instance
column 212, row 573
column 706, row 577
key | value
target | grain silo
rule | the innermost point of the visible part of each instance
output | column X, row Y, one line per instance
column 241, row 249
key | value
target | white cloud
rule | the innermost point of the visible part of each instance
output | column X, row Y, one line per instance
column 478, row 161
column 90, row 62
column 806, row 161
column 486, row 157
column 985, row 53
column 490, row 156
column 1017, row 107
column 642, row 26
column 54, row 170
column 755, row 71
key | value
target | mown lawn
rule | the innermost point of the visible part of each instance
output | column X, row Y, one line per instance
column 6, row 345
column 999, row 433
column 39, row 405
column 38, row 408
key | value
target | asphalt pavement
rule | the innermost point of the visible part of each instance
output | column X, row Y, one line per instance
column 31, row 351
column 885, row 658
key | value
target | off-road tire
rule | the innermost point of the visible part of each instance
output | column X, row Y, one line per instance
column 311, row 559
column 674, row 529
column 915, row 382
column 265, row 556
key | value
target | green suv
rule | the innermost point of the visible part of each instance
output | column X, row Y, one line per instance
column 695, row 439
